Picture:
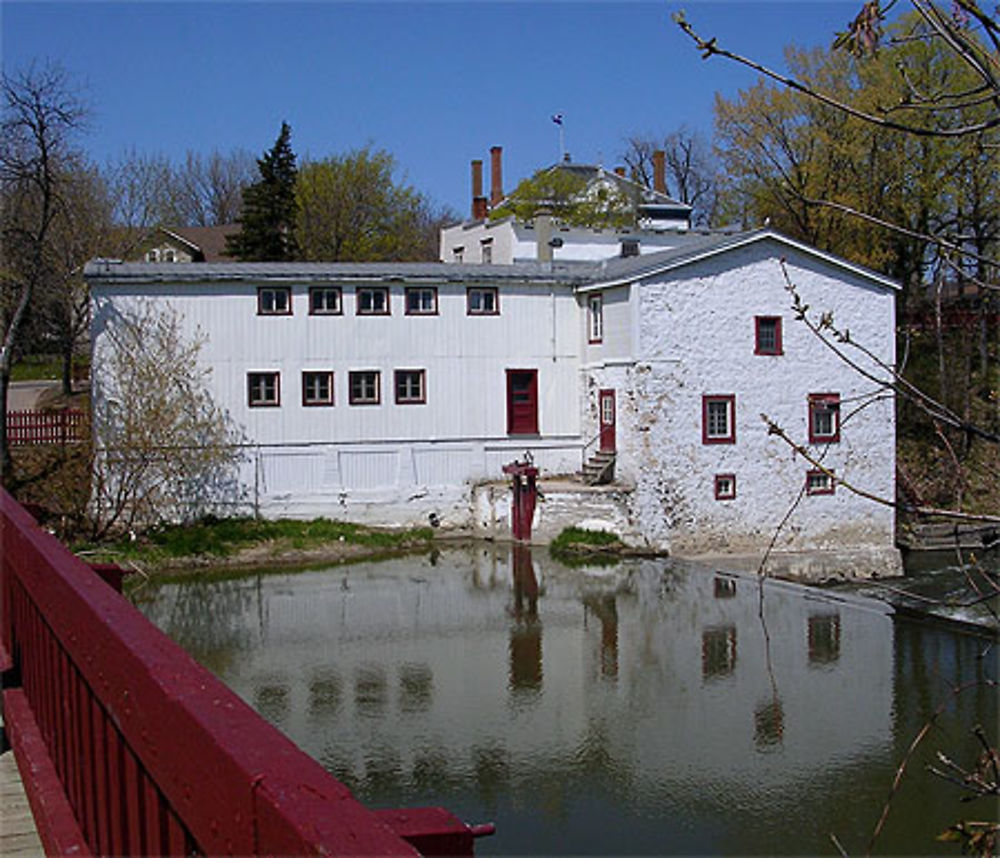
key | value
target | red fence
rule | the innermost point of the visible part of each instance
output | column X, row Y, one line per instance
column 44, row 427
column 128, row 747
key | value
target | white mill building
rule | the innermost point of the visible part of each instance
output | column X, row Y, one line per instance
column 394, row 393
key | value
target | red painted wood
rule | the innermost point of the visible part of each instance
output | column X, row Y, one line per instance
column 606, row 407
column 154, row 752
column 57, row 828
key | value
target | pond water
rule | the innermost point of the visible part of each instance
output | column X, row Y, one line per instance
column 649, row 708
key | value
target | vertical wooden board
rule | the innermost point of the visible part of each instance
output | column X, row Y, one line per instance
column 134, row 810
column 154, row 821
column 87, row 763
column 177, row 839
column 101, row 838
column 117, row 804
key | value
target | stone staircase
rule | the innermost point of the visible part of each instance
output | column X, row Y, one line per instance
column 599, row 468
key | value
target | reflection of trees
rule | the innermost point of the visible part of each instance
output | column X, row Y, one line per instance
column 325, row 692
column 208, row 618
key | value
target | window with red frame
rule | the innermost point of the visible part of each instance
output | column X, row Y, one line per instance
column 819, row 483
column 263, row 389
column 767, row 335
column 718, row 414
column 824, row 418
column 725, row 486
column 317, row 388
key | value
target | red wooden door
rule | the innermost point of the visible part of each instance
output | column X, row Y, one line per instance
column 522, row 401
column 606, row 405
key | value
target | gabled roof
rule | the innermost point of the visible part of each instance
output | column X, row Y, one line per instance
column 208, row 241
column 695, row 246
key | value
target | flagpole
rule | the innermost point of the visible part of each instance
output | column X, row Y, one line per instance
column 557, row 118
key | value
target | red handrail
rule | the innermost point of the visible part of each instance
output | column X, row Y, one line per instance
column 153, row 754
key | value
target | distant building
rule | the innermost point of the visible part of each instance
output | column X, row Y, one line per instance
column 394, row 392
column 491, row 237
column 187, row 244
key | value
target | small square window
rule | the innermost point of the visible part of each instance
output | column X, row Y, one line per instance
column 373, row 301
column 482, row 301
column 317, row 388
column 824, row 418
column 819, row 483
column 718, row 419
column 725, row 486
column 263, row 389
column 421, row 301
column 325, row 301
column 595, row 318
column 274, row 301
column 410, row 387
column 768, row 335
column 364, row 387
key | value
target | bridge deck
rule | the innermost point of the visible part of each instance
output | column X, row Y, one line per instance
column 18, row 835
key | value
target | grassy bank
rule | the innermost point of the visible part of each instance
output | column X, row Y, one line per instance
column 254, row 542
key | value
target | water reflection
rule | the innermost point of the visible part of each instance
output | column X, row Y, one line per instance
column 651, row 717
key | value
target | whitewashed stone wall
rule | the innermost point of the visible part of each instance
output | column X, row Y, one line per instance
column 696, row 336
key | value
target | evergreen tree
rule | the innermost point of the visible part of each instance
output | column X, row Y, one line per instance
column 267, row 231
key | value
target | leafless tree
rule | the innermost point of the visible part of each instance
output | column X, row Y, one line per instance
column 691, row 173
column 42, row 113
column 208, row 190
column 164, row 451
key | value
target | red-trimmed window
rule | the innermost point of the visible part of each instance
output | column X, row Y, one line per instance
column 482, row 301
column 364, row 387
column 325, row 301
column 317, row 388
column 824, row 418
column 767, row 335
column 274, row 301
column 263, row 389
column 718, row 419
column 372, row 301
column 411, row 386
column 725, row 486
column 595, row 318
column 421, row 301
column 819, row 483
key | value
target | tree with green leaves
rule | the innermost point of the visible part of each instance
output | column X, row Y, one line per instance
column 570, row 199
column 350, row 208
column 267, row 231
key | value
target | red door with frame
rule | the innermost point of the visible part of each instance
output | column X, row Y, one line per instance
column 522, row 401
column 606, row 406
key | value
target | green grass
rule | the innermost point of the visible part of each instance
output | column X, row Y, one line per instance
column 576, row 538
column 578, row 547
column 40, row 368
column 225, row 537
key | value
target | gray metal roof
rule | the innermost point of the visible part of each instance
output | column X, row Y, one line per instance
column 691, row 246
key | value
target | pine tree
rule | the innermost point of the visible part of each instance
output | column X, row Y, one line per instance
column 267, row 231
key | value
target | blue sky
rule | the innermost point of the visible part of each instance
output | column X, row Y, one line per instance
column 434, row 83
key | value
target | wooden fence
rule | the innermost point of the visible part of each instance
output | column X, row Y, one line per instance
column 128, row 747
column 45, row 427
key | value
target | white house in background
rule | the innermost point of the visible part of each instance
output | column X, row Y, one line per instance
column 489, row 237
column 387, row 392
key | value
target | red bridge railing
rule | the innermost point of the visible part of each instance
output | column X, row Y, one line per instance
column 45, row 427
column 128, row 747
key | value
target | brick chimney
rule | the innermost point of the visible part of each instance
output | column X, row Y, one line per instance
column 496, row 175
column 660, row 171
column 479, row 209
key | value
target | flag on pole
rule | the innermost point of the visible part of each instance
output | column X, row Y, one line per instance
column 557, row 118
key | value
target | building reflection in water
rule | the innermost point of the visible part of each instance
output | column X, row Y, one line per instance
column 526, row 630
column 654, row 689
